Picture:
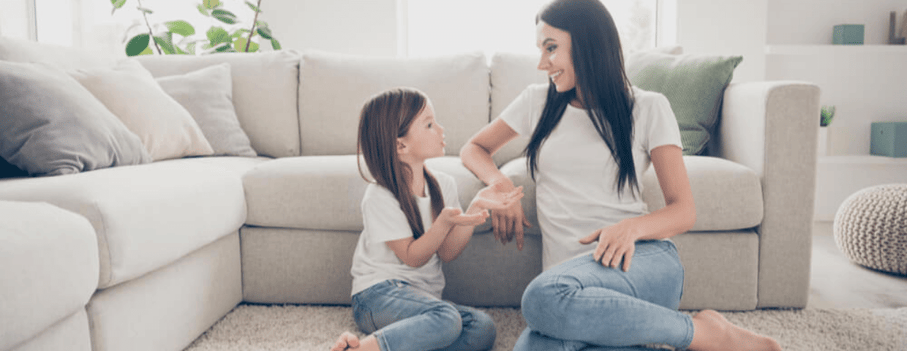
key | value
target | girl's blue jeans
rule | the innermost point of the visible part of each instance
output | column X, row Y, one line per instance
column 403, row 318
column 582, row 305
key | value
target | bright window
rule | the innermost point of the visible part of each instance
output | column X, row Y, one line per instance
column 434, row 27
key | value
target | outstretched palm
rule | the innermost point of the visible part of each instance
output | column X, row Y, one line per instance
column 496, row 196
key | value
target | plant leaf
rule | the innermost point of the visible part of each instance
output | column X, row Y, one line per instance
column 180, row 27
column 217, row 35
column 117, row 4
column 224, row 16
column 264, row 32
column 275, row 44
column 165, row 43
column 137, row 44
column 240, row 33
column 211, row 4
column 225, row 48
column 240, row 45
column 253, row 7
column 203, row 10
column 145, row 10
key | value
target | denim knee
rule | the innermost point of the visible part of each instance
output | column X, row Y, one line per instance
column 449, row 321
column 483, row 331
column 540, row 299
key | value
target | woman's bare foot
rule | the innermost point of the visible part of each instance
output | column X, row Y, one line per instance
column 350, row 342
column 713, row 332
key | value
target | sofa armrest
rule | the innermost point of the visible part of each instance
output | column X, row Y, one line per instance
column 772, row 127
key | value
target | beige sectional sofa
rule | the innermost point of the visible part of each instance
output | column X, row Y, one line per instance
column 178, row 243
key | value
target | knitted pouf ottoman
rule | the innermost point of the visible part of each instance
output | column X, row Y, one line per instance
column 871, row 228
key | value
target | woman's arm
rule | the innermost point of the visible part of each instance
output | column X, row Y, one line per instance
column 476, row 155
column 417, row 252
column 617, row 242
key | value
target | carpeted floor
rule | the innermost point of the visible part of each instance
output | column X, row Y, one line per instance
column 295, row 327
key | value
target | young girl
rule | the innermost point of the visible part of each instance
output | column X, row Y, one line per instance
column 412, row 221
column 612, row 281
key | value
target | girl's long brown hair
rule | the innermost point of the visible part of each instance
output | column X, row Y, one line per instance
column 384, row 118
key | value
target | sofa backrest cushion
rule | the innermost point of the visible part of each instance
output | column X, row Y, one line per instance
column 51, row 125
column 334, row 87
column 264, row 93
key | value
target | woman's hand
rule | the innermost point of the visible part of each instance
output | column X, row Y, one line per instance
column 507, row 211
column 454, row 216
column 615, row 243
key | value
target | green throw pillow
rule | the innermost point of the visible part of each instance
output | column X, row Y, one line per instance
column 694, row 84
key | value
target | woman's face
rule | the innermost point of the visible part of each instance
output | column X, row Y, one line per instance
column 555, row 45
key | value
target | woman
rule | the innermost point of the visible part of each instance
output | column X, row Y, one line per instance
column 592, row 137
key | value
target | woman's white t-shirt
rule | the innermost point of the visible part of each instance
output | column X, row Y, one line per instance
column 576, row 177
column 383, row 221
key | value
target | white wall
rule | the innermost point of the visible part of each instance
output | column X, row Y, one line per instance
column 725, row 27
column 812, row 21
column 358, row 27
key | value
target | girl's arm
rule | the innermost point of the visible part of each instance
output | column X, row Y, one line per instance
column 417, row 252
column 493, row 197
column 617, row 242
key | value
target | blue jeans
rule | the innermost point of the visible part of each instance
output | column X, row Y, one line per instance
column 582, row 305
column 406, row 318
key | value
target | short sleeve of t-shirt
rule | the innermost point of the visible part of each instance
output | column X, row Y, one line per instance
column 381, row 213
column 657, row 120
column 523, row 114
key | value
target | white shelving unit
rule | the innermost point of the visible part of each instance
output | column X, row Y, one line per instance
column 867, row 83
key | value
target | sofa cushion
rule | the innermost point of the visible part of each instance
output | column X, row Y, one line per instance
column 208, row 96
column 149, row 215
column 694, row 84
column 325, row 192
column 165, row 127
column 51, row 125
column 728, row 195
column 49, row 265
column 264, row 93
column 334, row 87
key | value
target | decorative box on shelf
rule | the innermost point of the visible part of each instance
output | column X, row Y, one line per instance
column 889, row 139
column 848, row 34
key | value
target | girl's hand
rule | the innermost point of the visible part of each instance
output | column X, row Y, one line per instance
column 455, row 216
column 615, row 243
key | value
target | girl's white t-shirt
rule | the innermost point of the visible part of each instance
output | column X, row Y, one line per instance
column 576, row 177
column 383, row 221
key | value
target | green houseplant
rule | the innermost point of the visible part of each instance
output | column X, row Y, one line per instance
column 160, row 38
column 825, row 117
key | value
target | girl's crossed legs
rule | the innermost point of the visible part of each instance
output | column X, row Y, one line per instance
column 402, row 317
column 582, row 305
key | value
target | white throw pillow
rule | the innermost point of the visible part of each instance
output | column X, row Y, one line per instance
column 128, row 90
column 208, row 96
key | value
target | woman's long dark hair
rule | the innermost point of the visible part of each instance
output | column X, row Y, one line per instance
column 384, row 118
column 601, row 80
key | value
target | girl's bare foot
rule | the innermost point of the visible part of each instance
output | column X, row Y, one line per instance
column 713, row 332
column 350, row 342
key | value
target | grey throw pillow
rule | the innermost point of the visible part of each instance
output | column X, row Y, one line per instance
column 51, row 125
column 208, row 96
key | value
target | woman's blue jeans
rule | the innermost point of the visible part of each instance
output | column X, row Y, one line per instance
column 582, row 305
column 402, row 318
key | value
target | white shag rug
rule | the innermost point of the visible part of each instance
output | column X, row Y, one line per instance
column 303, row 327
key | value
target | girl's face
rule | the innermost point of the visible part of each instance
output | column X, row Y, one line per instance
column 555, row 45
column 424, row 139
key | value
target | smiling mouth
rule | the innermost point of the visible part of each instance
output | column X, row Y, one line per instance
column 554, row 75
